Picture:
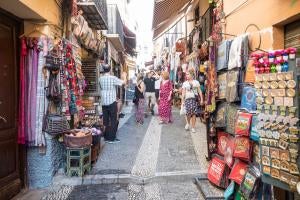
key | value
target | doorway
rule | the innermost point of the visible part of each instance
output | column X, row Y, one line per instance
column 10, row 182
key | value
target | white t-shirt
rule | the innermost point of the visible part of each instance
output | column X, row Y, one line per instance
column 191, row 89
column 157, row 83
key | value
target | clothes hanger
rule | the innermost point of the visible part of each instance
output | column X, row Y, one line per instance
column 33, row 31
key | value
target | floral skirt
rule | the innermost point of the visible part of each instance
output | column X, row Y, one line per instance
column 140, row 108
column 191, row 106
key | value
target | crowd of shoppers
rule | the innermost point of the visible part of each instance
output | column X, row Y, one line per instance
column 154, row 89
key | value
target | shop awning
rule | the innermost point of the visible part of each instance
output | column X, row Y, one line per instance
column 130, row 62
column 116, row 41
column 129, row 41
column 165, row 13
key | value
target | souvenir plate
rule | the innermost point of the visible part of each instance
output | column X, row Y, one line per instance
column 274, row 85
column 282, row 84
column 273, row 77
column 291, row 84
column 269, row 100
column 281, row 76
column 273, row 93
column 257, row 85
column 265, row 92
column 266, row 77
column 265, row 85
column 290, row 92
column 289, row 76
column 258, row 77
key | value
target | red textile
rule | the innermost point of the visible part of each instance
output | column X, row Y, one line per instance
column 165, row 105
column 21, row 118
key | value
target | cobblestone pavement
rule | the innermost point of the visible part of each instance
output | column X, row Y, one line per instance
column 152, row 161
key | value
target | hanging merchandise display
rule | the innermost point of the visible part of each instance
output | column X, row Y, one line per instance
column 277, row 124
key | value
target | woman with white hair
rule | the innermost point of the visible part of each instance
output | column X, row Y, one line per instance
column 190, row 94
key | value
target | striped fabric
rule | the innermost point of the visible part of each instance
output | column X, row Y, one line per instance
column 108, row 88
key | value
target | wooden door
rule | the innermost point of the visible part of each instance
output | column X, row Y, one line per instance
column 9, row 168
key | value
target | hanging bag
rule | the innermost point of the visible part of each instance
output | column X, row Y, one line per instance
column 55, row 124
column 52, row 91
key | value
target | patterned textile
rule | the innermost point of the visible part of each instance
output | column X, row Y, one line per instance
column 41, row 100
column 165, row 105
column 191, row 106
column 108, row 85
column 140, row 108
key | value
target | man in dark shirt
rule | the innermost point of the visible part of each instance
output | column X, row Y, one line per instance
column 149, row 82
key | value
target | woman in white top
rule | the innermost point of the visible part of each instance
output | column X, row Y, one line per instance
column 190, row 94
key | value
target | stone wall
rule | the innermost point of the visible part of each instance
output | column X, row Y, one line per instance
column 42, row 167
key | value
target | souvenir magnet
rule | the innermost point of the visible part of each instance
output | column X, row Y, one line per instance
column 283, row 144
column 275, row 173
column 292, row 111
column 276, row 163
column 282, row 110
column 266, row 161
column 274, row 153
column 267, row 170
column 265, row 150
column 284, row 165
column 280, row 92
column 284, row 155
column 284, row 136
column 294, row 121
column 288, row 101
column 278, row 101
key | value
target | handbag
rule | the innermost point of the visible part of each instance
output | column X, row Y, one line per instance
column 52, row 63
column 55, row 124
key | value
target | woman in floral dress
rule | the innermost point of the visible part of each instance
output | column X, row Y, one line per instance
column 165, row 98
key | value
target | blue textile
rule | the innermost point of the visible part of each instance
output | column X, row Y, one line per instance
column 223, row 54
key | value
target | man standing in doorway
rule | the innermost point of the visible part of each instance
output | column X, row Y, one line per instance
column 150, row 91
column 108, row 86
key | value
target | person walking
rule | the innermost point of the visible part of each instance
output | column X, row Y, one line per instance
column 108, row 86
column 165, row 98
column 190, row 94
column 140, row 104
column 149, row 82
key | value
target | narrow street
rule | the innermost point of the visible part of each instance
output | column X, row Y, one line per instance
column 152, row 161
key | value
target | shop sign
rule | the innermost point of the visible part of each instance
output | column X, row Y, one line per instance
column 216, row 170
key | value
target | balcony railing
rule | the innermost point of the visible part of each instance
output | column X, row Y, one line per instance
column 115, row 24
column 95, row 12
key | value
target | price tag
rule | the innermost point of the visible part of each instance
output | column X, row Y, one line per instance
column 96, row 104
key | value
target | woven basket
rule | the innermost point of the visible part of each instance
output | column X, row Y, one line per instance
column 71, row 138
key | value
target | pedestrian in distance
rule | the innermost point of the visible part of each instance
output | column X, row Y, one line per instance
column 140, row 100
column 108, row 84
column 149, row 82
column 190, row 93
column 165, row 99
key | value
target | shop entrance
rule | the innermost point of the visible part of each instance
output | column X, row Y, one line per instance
column 10, row 182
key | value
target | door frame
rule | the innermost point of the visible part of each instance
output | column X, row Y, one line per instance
column 17, row 23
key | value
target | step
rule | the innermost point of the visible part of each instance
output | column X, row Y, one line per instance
column 208, row 190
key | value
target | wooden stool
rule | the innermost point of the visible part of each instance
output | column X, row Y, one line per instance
column 78, row 161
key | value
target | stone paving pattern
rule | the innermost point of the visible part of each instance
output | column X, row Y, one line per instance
column 151, row 162
column 176, row 151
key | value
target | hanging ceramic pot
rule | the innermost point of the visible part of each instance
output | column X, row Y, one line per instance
column 292, row 53
column 271, row 57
